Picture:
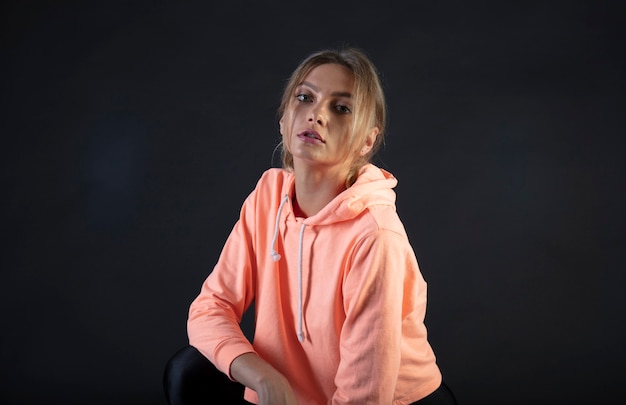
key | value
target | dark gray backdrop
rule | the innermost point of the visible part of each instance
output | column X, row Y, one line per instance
column 132, row 132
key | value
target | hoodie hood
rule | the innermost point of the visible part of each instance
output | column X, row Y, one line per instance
column 374, row 186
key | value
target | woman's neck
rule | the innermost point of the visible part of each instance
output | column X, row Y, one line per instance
column 314, row 189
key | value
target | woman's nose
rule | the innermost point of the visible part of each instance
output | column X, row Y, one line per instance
column 316, row 116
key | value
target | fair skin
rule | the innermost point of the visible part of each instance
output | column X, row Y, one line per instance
column 315, row 127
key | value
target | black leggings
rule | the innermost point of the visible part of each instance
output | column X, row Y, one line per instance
column 188, row 372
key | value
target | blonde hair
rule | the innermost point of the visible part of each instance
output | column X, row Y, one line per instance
column 369, row 108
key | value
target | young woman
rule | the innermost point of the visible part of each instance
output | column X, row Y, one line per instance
column 339, row 297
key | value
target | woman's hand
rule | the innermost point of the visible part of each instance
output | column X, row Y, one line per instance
column 276, row 392
column 272, row 387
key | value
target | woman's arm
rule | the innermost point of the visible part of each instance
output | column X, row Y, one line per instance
column 375, row 300
column 213, row 324
column 272, row 387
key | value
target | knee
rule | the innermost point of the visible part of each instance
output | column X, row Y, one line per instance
column 190, row 378
column 186, row 367
column 180, row 361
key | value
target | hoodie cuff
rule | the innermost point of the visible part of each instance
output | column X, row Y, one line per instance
column 225, row 356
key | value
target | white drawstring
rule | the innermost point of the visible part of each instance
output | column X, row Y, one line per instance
column 300, row 331
column 273, row 252
column 276, row 257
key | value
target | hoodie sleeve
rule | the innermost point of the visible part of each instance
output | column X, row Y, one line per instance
column 380, row 293
column 213, row 325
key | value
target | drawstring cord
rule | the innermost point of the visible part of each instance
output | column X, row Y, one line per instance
column 300, row 331
column 276, row 257
column 273, row 252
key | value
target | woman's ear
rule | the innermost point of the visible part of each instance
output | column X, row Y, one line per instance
column 370, row 139
column 280, row 123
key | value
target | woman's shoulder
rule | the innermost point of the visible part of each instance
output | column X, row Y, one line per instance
column 386, row 218
column 275, row 174
column 275, row 180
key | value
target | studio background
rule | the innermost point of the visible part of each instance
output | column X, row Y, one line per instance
column 133, row 131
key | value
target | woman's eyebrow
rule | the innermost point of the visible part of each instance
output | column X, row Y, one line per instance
column 345, row 94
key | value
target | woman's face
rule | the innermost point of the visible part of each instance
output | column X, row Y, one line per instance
column 317, row 122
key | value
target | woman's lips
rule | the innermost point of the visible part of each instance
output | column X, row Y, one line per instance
column 310, row 137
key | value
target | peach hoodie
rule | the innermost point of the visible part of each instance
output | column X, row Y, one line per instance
column 339, row 298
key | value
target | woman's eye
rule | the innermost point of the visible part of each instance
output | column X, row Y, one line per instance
column 343, row 109
column 303, row 97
